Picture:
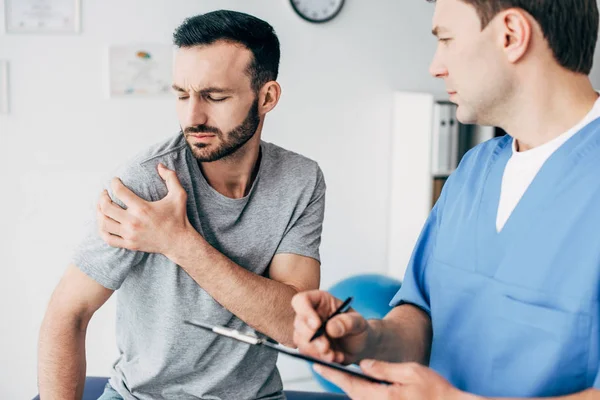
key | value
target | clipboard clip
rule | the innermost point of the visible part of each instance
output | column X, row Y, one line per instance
column 232, row 333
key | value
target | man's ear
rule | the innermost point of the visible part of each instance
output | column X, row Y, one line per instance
column 268, row 97
column 516, row 31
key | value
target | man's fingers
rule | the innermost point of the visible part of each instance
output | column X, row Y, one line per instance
column 403, row 373
column 108, row 225
column 350, row 323
column 171, row 180
column 124, row 194
column 112, row 240
column 110, row 209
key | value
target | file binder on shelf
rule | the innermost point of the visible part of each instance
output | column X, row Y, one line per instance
column 444, row 140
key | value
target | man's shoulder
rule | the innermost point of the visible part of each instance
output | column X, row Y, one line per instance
column 289, row 164
column 163, row 150
column 139, row 173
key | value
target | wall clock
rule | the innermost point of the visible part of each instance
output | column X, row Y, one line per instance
column 317, row 11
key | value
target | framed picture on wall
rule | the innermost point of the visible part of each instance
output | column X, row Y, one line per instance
column 42, row 16
column 3, row 87
column 140, row 70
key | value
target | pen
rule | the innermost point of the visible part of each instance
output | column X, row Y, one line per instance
column 341, row 309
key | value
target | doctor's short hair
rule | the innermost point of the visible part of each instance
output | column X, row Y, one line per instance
column 239, row 28
column 569, row 26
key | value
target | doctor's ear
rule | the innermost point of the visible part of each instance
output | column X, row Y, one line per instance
column 268, row 97
column 517, row 29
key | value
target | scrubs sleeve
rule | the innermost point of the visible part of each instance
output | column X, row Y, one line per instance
column 413, row 289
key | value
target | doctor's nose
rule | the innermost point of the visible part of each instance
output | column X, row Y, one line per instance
column 437, row 69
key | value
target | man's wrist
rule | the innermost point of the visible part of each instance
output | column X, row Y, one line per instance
column 186, row 246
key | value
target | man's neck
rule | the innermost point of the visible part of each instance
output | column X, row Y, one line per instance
column 547, row 108
column 234, row 175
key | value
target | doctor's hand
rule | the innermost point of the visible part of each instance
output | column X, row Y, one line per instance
column 152, row 227
column 410, row 381
column 347, row 335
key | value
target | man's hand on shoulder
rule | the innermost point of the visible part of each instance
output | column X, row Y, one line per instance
column 151, row 227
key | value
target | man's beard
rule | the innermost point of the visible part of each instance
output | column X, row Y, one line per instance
column 228, row 144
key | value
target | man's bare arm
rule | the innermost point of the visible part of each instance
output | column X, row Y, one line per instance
column 261, row 302
column 61, row 351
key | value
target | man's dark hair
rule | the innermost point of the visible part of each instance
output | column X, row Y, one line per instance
column 569, row 26
column 255, row 34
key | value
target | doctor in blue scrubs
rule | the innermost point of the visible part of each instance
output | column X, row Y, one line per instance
column 501, row 296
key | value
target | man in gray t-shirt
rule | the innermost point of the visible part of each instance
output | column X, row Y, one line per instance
column 213, row 225
column 281, row 214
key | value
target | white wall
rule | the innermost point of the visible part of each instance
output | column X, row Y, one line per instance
column 64, row 137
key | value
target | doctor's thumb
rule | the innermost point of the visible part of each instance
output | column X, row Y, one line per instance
column 346, row 324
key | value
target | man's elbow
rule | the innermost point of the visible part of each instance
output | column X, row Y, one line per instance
column 61, row 319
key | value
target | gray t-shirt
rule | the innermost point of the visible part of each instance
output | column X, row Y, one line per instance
column 160, row 357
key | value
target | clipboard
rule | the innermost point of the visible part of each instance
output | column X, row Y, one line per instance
column 255, row 341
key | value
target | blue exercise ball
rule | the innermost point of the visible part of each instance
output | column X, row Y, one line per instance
column 371, row 295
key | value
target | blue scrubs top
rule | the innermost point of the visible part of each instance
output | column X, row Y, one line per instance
column 514, row 313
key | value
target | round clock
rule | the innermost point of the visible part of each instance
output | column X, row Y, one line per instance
column 317, row 10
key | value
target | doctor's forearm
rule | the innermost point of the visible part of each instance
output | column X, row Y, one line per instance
column 404, row 335
column 262, row 303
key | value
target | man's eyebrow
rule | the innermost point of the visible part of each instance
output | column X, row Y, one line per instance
column 214, row 89
column 206, row 91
